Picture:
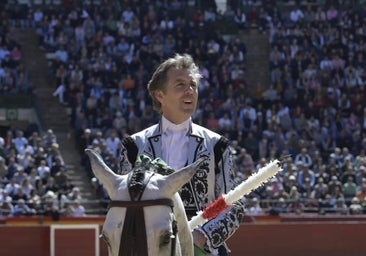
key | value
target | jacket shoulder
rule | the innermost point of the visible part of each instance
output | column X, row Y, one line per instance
column 204, row 132
column 146, row 133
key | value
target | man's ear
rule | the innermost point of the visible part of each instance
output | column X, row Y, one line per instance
column 159, row 95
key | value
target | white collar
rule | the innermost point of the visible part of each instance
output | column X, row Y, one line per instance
column 167, row 125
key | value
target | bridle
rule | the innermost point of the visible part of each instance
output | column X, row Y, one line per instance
column 133, row 239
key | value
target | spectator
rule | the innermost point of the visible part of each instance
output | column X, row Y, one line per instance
column 355, row 207
column 332, row 13
column 4, row 196
column 225, row 123
column 74, row 194
column 341, row 207
column 229, row 13
column 20, row 195
column 20, row 175
column 60, row 93
column 247, row 117
column 250, row 143
column 48, row 139
column 51, row 185
column 26, row 187
column 6, row 208
column 26, row 161
column 281, row 206
column 39, row 186
column 61, row 178
column 12, row 187
column 20, row 142
column 240, row 18
column 56, row 166
column 296, row 14
column 320, row 14
column 326, row 205
column 68, row 187
column 50, row 205
column 303, row 158
column 119, row 122
column 334, row 183
column 320, row 189
column 349, row 188
column 254, row 207
column 76, row 209
column 33, row 176
column 61, row 54
column 305, row 173
column 22, row 209
column 209, row 15
column 42, row 169
column 296, row 205
column 361, row 192
column 113, row 142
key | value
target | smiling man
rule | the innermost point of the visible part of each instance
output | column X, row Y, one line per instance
column 179, row 142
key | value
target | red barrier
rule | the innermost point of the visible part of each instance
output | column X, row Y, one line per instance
column 24, row 241
column 300, row 239
column 262, row 235
column 43, row 236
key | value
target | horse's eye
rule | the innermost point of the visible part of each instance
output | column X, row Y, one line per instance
column 165, row 238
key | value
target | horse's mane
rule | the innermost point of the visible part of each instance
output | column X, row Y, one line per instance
column 138, row 180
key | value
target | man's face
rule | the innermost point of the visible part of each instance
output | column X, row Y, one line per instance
column 179, row 101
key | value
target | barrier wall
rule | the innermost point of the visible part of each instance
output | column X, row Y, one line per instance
column 272, row 237
column 300, row 239
column 42, row 236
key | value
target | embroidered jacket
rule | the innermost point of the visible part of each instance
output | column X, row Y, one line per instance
column 206, row 185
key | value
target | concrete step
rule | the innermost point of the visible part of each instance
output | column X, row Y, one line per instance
column 256, row 60
column 53, row 115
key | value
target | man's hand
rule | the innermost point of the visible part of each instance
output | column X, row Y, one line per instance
column 199, row 239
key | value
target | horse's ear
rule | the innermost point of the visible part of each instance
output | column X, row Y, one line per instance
column 177, row 179
column 106, row 176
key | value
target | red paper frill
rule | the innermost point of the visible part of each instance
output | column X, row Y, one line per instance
column 214, row 208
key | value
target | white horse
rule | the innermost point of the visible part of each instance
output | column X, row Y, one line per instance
column 146, row 215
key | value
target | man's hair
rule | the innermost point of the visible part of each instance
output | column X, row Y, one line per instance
column 159, row 78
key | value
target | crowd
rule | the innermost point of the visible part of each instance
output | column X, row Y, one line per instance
column 311, row 117
column 34, row 179
column 13, row 75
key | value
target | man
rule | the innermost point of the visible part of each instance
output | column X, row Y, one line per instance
column 178, row 141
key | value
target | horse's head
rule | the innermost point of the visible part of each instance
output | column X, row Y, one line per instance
column 144, row 221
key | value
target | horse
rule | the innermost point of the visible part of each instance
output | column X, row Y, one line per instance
column 146, row 214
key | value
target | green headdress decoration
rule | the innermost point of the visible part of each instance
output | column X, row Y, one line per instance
column 158, row 164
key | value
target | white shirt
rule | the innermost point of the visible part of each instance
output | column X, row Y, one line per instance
column 251, row 112
column 37, row 16
column 42, row 169
column 296, row 15
column 113, row 143
column 77, row 210
column 175, row 143
column 224, row 122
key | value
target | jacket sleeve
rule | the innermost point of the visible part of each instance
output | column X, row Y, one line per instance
column 224, row 225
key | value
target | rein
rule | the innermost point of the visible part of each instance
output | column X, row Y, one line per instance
column 133, row 238
column 144, row 203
